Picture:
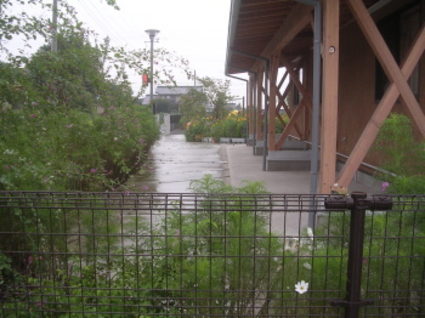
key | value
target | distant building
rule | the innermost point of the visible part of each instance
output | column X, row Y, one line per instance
column 171, row 93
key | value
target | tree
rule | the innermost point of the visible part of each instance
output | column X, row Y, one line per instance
column 70, row 77
column 193, row 105
column 215, row 93
column 218, row 95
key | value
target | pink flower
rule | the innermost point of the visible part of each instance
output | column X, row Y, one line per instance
column 69, row 126
column 30, row 260
column 145, row 188
column 384, row 186
column 33, row 115
column 93, row 170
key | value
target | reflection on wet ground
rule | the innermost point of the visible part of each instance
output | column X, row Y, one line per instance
column 176, row 163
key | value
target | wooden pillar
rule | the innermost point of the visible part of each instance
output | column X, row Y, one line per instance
column 259, row 88
column 330, row 95
column 251, row 103
column 274, row 67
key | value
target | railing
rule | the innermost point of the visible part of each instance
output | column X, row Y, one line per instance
column 193, row 255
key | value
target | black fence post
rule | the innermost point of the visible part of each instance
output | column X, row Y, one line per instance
column 358, row 204
column 355, row 254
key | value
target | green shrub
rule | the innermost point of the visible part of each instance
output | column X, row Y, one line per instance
column 402, row 156
column 233, row 125
column 72, row 150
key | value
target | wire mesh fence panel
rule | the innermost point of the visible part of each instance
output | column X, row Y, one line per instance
column 394, row 259
column 192, row 255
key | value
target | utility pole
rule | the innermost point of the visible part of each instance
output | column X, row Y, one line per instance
column 152, row 33
column 54, row 43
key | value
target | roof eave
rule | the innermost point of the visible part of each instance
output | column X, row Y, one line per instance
column 233, row 22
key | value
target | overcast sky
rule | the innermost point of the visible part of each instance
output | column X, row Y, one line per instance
column 194, row 29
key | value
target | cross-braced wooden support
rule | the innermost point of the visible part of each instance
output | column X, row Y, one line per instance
column 299, row 111
column 398, row 87
column 290, row 48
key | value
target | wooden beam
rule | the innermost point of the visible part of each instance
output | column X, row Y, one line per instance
column 287, row 109
column 296, row 21
column 282, row 80
column 381, row 113
column 330, row 95
column 292, row 121
column 295, row 79
column 388, row 62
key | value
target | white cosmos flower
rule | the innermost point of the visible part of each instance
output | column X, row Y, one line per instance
column 307, row 265
column 301, row 287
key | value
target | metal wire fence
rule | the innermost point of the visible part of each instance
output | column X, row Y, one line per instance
column 198, row 255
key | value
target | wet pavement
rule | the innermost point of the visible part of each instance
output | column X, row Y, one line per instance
column 175, row 163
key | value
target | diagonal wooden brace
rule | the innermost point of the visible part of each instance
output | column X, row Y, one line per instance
column 381, row 113
column 388, row 62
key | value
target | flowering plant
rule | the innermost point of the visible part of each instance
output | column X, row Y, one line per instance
column 301, row 287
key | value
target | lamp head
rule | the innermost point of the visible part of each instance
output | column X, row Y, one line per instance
column 152, row 33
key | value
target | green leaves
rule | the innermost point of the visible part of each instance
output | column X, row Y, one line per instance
column 44, row 149
column 400, row 154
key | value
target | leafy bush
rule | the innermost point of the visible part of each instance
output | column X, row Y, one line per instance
column 402, row 156
column 279, row 126
column 72, row 150
column 198, row 128
column 234, row 125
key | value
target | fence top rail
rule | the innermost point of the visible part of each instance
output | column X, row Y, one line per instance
column 192, row 201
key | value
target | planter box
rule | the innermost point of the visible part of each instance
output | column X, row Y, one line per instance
column 208, row 139
column 238, row 140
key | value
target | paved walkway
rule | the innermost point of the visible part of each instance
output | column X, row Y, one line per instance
column 177, row 163
column 242, row 165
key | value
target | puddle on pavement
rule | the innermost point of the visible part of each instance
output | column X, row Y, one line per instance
column 175, row 163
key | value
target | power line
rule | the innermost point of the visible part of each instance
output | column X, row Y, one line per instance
column 97, row 19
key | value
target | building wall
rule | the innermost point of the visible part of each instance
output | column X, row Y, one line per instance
column 357, row 99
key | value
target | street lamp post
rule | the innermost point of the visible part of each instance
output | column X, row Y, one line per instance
column 152, row 33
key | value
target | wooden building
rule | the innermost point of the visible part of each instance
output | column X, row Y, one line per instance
column 337, row 68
